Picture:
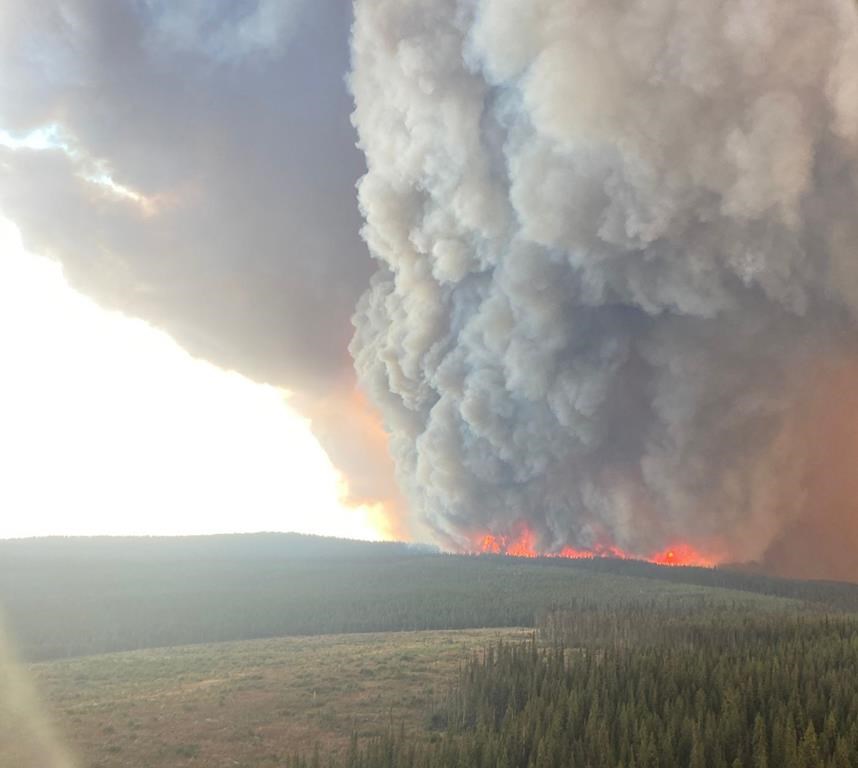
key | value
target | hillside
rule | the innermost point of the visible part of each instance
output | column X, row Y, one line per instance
column 72, row 597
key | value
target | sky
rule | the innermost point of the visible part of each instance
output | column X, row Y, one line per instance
column 183, row 178
column 107, row 426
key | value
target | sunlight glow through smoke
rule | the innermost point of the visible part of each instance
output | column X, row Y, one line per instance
column 108, row 427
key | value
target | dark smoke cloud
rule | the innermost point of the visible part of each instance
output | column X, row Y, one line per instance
column 232, row 221
column 231, row 119
column 618, row 252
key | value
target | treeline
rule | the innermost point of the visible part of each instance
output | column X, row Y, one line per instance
column 737, row 692
column 70, row 597
column 98, row 606
column 834, row 595
column 679, row 624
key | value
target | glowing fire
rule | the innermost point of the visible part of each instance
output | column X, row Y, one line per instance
column 524, row 545
column 681, row 554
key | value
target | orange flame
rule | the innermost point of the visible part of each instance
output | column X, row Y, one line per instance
column 523, row 545
column 682, row 554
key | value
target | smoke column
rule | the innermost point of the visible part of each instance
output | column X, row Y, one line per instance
column 616, row 302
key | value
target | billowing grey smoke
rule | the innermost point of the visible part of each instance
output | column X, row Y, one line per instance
column 230, row 119
column 618, row 246
column 228, row 122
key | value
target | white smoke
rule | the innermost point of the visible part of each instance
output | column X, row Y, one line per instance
column 616, row 238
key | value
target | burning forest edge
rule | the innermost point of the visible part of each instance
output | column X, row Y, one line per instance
column 524, row 545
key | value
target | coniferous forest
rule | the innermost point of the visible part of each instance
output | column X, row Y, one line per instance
column 626, row 665
column 650, row 689
column 74, row 597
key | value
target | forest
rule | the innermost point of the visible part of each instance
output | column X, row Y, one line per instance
column 389, row 655
column 654, row 688
column 73, row 597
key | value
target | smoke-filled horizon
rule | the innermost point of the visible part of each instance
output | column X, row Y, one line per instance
column 617, row 294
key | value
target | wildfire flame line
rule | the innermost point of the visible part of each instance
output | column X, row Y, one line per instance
column 523, row 545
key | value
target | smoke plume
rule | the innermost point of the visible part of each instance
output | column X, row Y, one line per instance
column 194, row 165
column 617, row 295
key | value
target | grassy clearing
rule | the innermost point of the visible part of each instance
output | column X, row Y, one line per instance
column 250, row 703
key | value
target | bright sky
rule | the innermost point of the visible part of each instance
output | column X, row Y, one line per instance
column 107, row 426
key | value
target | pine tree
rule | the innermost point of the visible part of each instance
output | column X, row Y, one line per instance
column 760, row 748
column 808, row 751
column 698, row 755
